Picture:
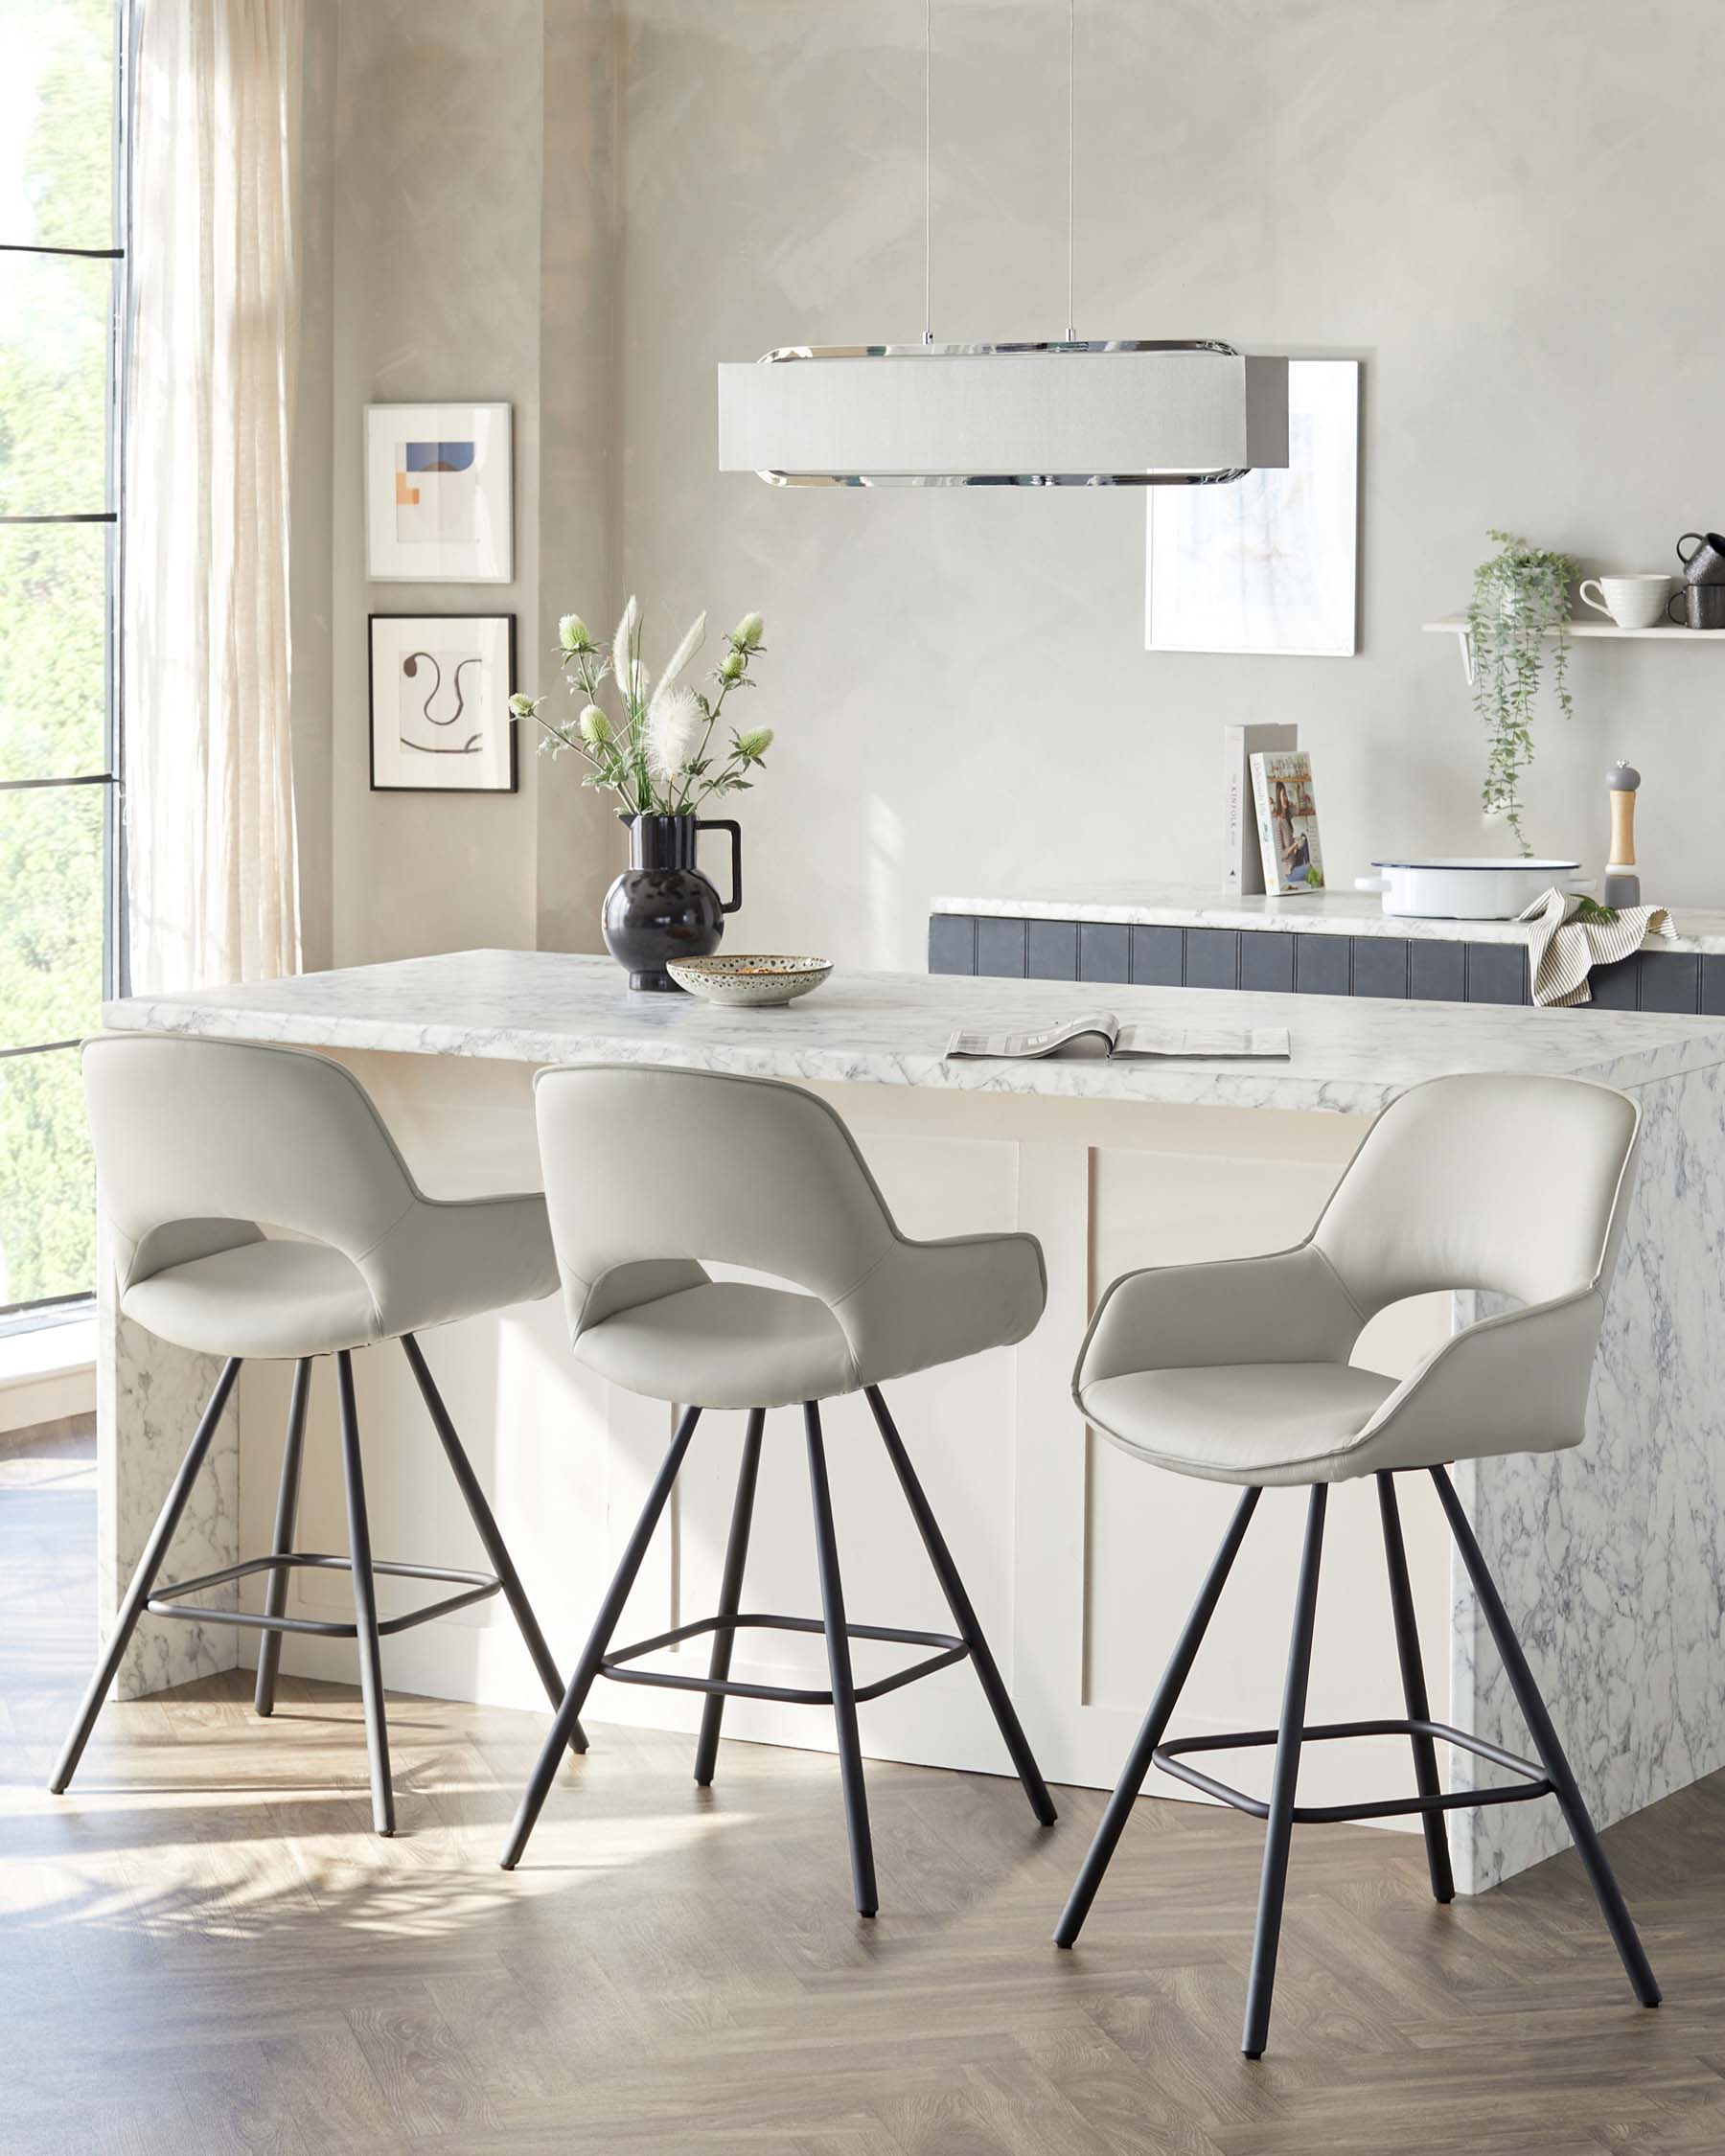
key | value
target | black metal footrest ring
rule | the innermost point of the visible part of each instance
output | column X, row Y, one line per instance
column 615, row 1664
column 1167, row 1757
column 475, row 1585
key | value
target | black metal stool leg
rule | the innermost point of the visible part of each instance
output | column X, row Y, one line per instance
column 1414, row 1688
column 144, row 1579
column 838, row 1664
column 275, row 1594
column 1558, row 1773
column 730, row 1595
column 1273, row 1884
column 365, row 1602
column 581, row 1683
column 497, row 1551
column 964, row 1616
column 1154, row 1723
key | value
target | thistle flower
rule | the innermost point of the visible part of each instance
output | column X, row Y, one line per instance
column 593, row 727
column 752, row 745
column 525, row 707
column 675, row 726
column 747, row 633
column 693, row 639
column 731, row 665
column 572, row 633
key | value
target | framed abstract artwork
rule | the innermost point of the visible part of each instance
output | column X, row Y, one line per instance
column 440, row 691
column 439, row 494
column 1268, row 563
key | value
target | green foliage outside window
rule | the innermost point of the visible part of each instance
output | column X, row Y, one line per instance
column 55, row 190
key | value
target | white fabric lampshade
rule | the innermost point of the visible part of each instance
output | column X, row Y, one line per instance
column 1107, row 413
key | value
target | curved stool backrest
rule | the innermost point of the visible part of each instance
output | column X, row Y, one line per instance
column 1508, row 1183
column 197, row 1141
column 649, row 1171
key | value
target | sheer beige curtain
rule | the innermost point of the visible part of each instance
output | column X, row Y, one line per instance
column 214, row 887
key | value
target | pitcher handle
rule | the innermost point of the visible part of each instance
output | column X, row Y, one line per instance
column 724, row 823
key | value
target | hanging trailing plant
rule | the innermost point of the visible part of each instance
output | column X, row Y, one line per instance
column 1520, row 597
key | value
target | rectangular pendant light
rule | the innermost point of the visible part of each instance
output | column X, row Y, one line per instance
column 1100, row 414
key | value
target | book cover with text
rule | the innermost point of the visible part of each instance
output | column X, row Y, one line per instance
column 1287, row 821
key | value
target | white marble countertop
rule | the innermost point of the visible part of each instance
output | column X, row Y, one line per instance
column 1349, row 1054
column 1335, row 913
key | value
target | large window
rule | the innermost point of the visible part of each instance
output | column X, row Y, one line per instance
column 62, row 285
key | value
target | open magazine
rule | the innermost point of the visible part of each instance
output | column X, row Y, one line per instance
column 1102, row 1034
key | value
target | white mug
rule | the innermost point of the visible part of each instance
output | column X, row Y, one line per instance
column 1637, row 602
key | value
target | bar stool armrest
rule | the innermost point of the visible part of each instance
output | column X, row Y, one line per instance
column 444, row 1260
column 1515, row 1383
column 1288, row 1307
column 933, row 1302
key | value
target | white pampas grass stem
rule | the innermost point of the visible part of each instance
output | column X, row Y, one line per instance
column 693, row 639
column 626, row 650
column 675, row 726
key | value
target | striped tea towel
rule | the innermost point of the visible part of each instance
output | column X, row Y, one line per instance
column 1572, row 936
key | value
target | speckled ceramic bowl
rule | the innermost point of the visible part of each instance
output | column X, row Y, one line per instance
column 749, row 980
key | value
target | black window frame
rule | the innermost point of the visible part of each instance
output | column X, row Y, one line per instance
column 116, row 967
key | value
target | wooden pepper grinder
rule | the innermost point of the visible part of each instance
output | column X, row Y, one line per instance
column 1622, row 886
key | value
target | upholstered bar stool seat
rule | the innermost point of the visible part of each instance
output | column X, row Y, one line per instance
column 280, row 1299
column 730, row 1344
column 649, row 1173
column 1252, row 1423
column 201, row 1146
column 1239, row 1372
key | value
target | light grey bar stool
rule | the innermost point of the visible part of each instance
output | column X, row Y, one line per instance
column 648, row 1173
column 1238, row 1372
column 199, row 1145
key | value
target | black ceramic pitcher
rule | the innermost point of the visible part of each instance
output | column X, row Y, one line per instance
column 662, row 907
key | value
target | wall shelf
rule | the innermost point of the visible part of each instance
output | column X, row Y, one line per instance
column 1669, row 633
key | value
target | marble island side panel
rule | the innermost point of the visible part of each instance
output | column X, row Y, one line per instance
column 1611, row 1556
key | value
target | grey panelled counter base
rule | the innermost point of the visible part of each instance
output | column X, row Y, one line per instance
column 1432, row 970
column 1331, row 943
column 1105, row 1163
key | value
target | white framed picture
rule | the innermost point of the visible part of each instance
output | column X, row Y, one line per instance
column 440, row 691
column 1268, row 563
column 439, row 494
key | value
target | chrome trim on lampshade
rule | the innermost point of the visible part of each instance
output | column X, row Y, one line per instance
column 1255, row 429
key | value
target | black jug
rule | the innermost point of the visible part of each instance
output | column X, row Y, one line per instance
column 662, row 907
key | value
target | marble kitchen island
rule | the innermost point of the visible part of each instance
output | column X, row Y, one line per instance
column 1081, row 1563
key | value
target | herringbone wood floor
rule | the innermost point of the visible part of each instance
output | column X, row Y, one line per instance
column 205, row 1949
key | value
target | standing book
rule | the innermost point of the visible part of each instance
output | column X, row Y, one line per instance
column 1287, row 822
column 1242, row 862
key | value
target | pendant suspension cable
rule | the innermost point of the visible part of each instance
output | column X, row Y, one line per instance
column 928, row 171
column 1071, row 43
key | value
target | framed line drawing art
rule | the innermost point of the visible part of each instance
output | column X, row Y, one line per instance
column 440, row 691
column 439, row 494
column 1268, row 563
